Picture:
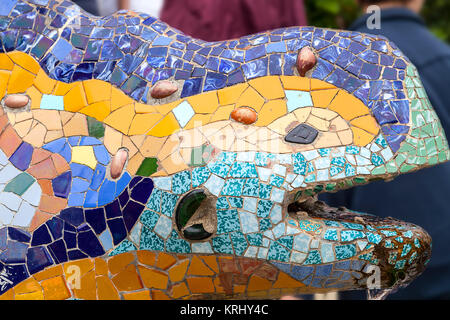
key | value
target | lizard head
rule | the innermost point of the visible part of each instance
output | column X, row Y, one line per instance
column 124, row 140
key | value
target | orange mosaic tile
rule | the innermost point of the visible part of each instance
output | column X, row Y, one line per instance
column 178, row 271
column 139, row 295
column 55, row 289
column 200, row 285
column 119, row 262
column 165, row 261
column 127, row 279
column 153, row 279
column 105, row 289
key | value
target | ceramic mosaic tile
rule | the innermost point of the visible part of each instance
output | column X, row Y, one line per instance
column 165, row 167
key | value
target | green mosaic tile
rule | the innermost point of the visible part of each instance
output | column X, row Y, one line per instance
column 20, row 184
column 427, row 130
column 406, row 167
column 431, row 147
column 96, row 128
column 379, row 170
column 148, row 167
column 433, row 160
column 416, row 105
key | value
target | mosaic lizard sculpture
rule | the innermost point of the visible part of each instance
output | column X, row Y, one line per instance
column 138, row 162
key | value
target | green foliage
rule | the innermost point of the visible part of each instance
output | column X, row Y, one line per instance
column 336, row 14
column 437, row 17
column 339, row 14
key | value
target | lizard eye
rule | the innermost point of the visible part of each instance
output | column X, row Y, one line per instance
column 302, row 134
column 194, row 217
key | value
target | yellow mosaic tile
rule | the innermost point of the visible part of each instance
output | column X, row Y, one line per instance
column 174, row 164
column 5, row 62
column 171, row 145
column 121, row 118
column 231, row 94
column 97, row 90
column 99, row 110
column 271, row 110
column 43, row 83
column 222, row 113
column 4, row 77
column 22, row 128
column 28, row 286
column 317, row 84
column 129, row 145
column 139, row 295
column 20, row 80
column 179, row 290
column 165, row 108
column 49, row 273
column 75, row 99
column 61, row 88
column 140, row 108
column 339, row 124
column 84, row 155
column 35, row 97
column 49, row 118
column 119, row 99
column 25, row 61
column 165, row 127
column 342, row 102
column 323, row 98
column 270, row 87
column 55, row 289
column 361, row 137
column 324, row 114
column 367, row 123
column 197, row 121
column 295, row 83
column 250, row 98
column 153, row 279
column 204, row 103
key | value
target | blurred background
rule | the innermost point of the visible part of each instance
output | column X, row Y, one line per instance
column 320, row 13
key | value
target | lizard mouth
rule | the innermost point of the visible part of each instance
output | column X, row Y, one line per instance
column 398, row 251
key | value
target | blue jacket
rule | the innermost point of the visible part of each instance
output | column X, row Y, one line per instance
column 422, row 197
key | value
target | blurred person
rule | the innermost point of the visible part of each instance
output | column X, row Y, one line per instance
column 227, row 19
column 90, row 6
column 152, row 7
column 420, row 197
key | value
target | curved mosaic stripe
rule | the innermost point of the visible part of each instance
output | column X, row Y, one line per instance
column 271, row 97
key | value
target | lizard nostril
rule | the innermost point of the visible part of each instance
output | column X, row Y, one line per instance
column 193, row 216
column 302, row 134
